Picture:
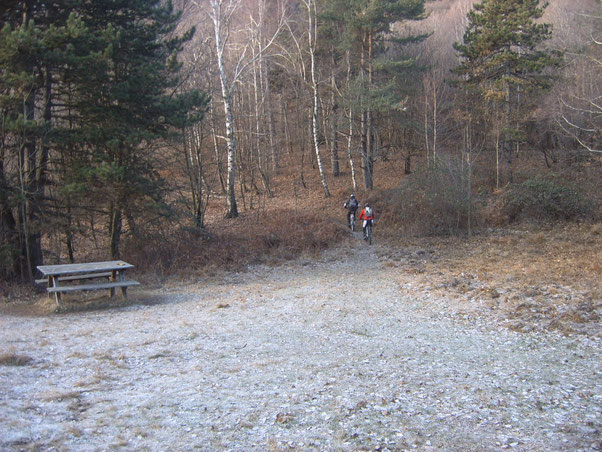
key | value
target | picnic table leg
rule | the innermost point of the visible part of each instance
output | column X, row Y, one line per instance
column 113, row 278
column 124, row 289
column 50, row 284
column 54, row 280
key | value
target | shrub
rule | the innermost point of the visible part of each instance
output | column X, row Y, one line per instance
column 431, row 202
column 249, row 239
column 542, row 198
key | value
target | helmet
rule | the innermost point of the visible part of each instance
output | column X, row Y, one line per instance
column 367, row 205
column 352, row 195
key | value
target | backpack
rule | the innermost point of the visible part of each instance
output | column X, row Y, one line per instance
column 368, row 211
column 353, row 204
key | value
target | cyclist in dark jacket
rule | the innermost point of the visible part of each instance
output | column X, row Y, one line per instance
column 351, row 205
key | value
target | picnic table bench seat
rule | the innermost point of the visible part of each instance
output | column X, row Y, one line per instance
column 77, row 277
column 97, row 286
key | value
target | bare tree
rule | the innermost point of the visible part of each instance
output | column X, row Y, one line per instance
column 312, row 35
column 580, row 106
column 222, row 14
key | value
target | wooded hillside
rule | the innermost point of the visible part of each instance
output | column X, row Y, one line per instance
column 150, row 128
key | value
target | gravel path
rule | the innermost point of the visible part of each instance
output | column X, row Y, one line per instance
column 329, row 355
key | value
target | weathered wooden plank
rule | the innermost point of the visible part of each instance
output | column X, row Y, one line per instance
column 97, row 286
column 71, row 269
column 76, row 277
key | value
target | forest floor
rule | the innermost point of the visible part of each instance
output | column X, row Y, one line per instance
column 490, row 343
column 527, row 279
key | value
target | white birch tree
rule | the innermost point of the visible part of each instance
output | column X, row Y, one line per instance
column 312, row 35
column 222, row 13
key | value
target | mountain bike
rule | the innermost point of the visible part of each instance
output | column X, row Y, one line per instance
column 352, row 221
column 368, row 235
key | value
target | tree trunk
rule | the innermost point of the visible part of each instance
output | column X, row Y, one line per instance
column 435, row 125
column 285, row 126
column 269, row 113
column 34, row 160
column 312, row 33
column 407, row 164
column 227, row 98
column 9, row 236
column 115, row 225
column 194, row 168
column 508, row 148
column 350, row 136
column 426, row 126
column 69, row 235
column 334, row 116
column 367, row 132
column 218, row 157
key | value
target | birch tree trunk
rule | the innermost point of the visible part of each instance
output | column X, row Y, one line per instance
column 349, row 151
column 312, row 36
column 216, row 16
column 222, row 13
column 334, row 123
column 369, row 163
column 350, row 136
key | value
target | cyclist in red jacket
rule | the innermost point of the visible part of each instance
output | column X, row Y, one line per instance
column 367, row 214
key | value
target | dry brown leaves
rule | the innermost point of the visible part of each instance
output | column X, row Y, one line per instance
column 530, row 279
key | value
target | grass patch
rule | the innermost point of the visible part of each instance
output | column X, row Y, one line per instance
column 14, row 359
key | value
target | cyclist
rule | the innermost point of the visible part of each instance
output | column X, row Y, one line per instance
column 352, row 206
column 367, row 214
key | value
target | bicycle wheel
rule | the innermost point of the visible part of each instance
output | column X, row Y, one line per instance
column 352, row 222
column 369, row 233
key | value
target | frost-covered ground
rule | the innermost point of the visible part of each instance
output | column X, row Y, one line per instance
column 329, row 355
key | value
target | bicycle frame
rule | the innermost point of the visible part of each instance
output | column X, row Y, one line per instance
column 368, row 234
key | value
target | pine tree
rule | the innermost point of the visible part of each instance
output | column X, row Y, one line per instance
column 501, row 61
column 365, row 30
column 86, row 91
column 127, row 102
column 33, row 42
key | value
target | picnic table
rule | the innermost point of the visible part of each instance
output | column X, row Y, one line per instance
column 112, row 272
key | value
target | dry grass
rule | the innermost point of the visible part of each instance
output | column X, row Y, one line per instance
column 14, row 359
column 532, row 278
column 267, row 237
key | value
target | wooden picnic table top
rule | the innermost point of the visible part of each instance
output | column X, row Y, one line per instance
column 90, row 267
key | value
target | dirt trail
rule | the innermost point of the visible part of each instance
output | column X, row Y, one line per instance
column 327, row 355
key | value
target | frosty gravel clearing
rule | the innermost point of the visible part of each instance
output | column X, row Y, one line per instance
column 326, row 355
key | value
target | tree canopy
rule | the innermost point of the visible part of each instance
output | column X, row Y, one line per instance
column 502, row 59
column 87, row 89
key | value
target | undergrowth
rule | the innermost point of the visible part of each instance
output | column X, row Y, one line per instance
column 545, row 198
column 277, row 235
column 429, row 202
